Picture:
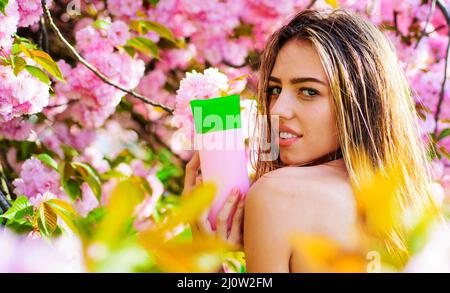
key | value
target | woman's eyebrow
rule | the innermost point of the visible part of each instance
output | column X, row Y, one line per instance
column 298, row 80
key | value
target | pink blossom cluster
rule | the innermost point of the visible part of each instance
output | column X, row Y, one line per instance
column 15, row 129
column 213, row 42
column 41, row 183
column 145, row 209
column 94, row 157
column 8, row 26
column 207, row 23
column 87, row 203
column 30, row 11
column 27, row 254
column 197, row 86
column 21, row 94
column 21, row 13
column 95, row 100
column 152, row 86
column 62, row 134
column 37, row 179
column 124, row 8
column 89, row 39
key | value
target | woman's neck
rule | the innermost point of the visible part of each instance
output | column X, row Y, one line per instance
column 332, row 159
column 340, row 163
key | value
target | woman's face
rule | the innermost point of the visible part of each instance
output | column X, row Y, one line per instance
column 300, row 95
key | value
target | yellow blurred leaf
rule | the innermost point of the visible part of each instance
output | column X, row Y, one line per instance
column 239, row 78
column 191, row 207
column 378, row 195
column 381, row 201
column 203, row 254
column 333, row 3
column 324, row 255
column 124, row 198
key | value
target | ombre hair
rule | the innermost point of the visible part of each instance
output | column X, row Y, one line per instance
column 372, row 100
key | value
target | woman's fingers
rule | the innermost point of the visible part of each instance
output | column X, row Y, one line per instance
column 222, row 217
column 198, row 179
column 236, row 226
column 204, row 223
column 191, row 172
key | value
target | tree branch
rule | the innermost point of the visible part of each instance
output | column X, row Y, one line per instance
column 423, row 32
column 445, row 12
column 92, row 68
column 5, row 182
column 60, row 105
column 4, row 203
column 43, row 37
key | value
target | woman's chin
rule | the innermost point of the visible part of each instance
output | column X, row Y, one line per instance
column 289, row 160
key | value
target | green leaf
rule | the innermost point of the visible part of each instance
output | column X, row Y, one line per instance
column 86, row 226
column 44, row 60
column 26, row 42
column 90, row 176
column 143, row 184
column 143, row 26
column 101, row 24
column 69, row 152
column 26, row 148
column 3, row 4
column 38, row 73
column 48, row 220
column 72, row 188
column 18, row 64
column 15, row 49
column 5, row 61
column 423, row 108
column 444, row 133
column 130, row 51
column 96, row 215
column 162, row 30
column 152, row 2
column 20, row 227
column 144, row 45
column 66, row 171
column 444, row 152
column 47, row 160
column 19, row 209
column 66, row 212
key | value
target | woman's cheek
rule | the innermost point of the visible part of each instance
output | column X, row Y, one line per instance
column 325, row 128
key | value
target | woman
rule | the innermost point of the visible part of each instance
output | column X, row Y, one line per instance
column 334, row 82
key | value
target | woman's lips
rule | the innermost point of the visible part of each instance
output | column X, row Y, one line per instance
column 284, row 142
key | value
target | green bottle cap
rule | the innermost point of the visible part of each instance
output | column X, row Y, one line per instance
column 216, row 114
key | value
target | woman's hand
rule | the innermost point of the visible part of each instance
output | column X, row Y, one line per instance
column 233, row 206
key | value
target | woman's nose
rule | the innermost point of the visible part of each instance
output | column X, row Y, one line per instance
column 283, row 106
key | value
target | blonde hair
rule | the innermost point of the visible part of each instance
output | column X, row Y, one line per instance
column 374, row 108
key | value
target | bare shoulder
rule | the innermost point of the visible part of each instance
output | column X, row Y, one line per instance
column 316, row 199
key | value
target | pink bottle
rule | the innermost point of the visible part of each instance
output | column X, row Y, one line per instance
column 219, row 139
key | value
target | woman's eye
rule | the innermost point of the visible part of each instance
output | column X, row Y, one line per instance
column 309, row 92
column 273, row 91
